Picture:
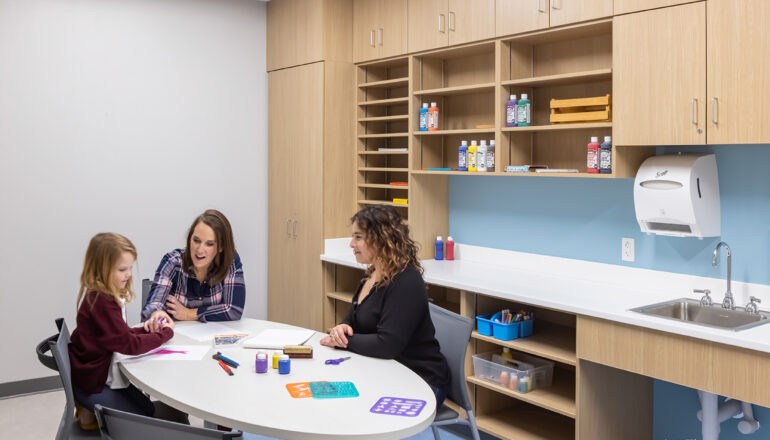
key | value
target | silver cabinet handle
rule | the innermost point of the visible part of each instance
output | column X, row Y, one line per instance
column 288, row 227
column 379, row 36
column 694, row 111
column 553, row 5
column 371, row 38
column 441, row 23
column 451, row 21
column 715, row 110
column 294, row 229
column 539, row 7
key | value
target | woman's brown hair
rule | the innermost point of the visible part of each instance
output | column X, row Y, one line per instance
column 102, row 256
column 225, row 245
column 388, row 236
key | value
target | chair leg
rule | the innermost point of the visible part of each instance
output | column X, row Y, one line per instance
column 474, row 428
column 436, row 434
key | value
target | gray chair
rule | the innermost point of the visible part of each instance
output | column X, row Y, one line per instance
column 68, row 429
column 453, row 333
column 146, row 286
column 120, row 425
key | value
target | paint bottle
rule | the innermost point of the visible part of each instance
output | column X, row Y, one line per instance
column 507, row 353
column 433, row 117
column 439, row 248
column 491, row 156
column 450, row 248
column 261, row 363
column 284, row 364
column 276, row 358
column 525, row 384
column 592, row 164
column 472, row 156
column 510, row 112
column 513, row 382
column 605, row 156
column 523, row 111
column 462, row 159
column 481, row 157
column 424, row 117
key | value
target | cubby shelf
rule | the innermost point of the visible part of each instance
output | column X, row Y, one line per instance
column 501, row 174
column 383, row 202
column 384, row 169
column 383, row 186
column 458, row 131
column 341, row 296
column 457, row 90
column 384, row 118
column 556, row 343
column 559, row 127
column 527, row 423
column 380, row 153
column 389, row 101
column 559, row 397
column 382, row 135
column 388, row 83
column 564, row 78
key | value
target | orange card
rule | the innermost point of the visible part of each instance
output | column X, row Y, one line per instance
column 299, row 390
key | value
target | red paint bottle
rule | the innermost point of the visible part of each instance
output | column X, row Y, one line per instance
column 450, row 248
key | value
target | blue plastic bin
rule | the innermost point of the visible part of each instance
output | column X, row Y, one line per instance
column 526, row 327
column 484, row 324
column 504, row 332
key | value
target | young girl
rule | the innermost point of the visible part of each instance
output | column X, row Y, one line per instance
column 105, row 285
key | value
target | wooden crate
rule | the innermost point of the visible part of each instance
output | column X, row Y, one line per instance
column 594, row 109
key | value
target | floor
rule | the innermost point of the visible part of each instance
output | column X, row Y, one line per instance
column 37, row 416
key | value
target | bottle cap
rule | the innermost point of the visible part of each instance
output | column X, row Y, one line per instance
column 438, row 238
column 425, row 105
column 284, row 357
column 492, row 142
column 464, row 143
column 506, row 349
column 483, row 142
column 432, row 104
column 594, row 139
column 449, row 238
column 523, row 96
column 512, row 97
column 473, row 142
column 607, row 138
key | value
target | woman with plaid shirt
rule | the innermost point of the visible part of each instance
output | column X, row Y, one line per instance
column 203, row 282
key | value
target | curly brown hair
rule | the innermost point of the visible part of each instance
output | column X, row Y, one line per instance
column 386, row 233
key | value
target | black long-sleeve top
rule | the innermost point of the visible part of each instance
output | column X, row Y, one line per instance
column 393, row 322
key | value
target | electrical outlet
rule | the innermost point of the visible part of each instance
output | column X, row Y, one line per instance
column 627, row 249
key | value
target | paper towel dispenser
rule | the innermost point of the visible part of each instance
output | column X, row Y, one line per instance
column 678, row 195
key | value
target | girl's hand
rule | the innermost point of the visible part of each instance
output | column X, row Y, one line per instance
column 153, row 324
column 168, row 323
column 179, row 311
column 338, row 336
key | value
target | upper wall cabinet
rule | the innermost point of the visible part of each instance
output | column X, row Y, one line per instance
column 517, row 16
column 306, row 31
column 661, row 93
column 626, row 6
column 379, row 29
column 438, row 23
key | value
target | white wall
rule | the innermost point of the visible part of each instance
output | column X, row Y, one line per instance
column 130, row 116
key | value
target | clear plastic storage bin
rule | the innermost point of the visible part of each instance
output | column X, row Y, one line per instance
column 522, row 374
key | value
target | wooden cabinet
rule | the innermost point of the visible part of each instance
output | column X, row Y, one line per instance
column 626, row 6
column 438, row 23
column 379, row 29
column 709, row 87
column 517, row 16
column 659, row 76
column 304, row 205
column 306, row 31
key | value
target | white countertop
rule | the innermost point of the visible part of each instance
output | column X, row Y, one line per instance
column 580, row 287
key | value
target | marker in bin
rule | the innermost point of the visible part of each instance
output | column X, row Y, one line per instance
column 506, row 317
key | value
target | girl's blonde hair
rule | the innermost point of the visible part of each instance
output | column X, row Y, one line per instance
column 386, row 233
column 102, row 256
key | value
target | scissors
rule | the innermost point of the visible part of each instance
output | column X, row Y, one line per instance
column 336, row 361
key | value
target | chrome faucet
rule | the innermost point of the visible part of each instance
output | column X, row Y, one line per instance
column 728, row 302
column 752, row 306
column 706, row 299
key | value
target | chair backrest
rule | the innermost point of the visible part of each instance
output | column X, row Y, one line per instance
column 453, row 333
column 45, row 346
column 60, row 352
column 146, row 285
column 120, row 425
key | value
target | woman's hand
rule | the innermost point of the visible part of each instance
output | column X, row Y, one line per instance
column 179, row 311
column 338, row 336
column 156, row 321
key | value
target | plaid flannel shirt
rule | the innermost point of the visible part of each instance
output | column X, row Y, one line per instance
column 221, row 302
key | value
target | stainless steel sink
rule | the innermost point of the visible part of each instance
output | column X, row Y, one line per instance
column 692, row 311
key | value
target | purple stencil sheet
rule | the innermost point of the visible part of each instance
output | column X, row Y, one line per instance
column 398, row 406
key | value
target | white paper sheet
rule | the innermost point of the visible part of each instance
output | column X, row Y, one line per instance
column 203, row 331
column 276, row 339
column 168, row 353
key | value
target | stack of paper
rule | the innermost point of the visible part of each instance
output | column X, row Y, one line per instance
column 276, row 339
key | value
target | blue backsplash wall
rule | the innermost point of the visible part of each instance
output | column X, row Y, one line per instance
column 586, row 219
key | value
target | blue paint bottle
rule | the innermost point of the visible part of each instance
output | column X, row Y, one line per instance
column 424, row 117
column 284, row 364
column 462, row 159
column 439, row 248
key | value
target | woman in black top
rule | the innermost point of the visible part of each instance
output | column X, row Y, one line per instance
column 389, row 317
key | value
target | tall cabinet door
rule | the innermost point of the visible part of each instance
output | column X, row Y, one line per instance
column 659, row 76
column 573, row 11
column 427, row 24
column 365, row 23
column 295, row 194
column 516, row 16
column 739, row 71
column 470, row 20
column 391, row 34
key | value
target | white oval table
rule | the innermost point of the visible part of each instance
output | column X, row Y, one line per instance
column 261, row 404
